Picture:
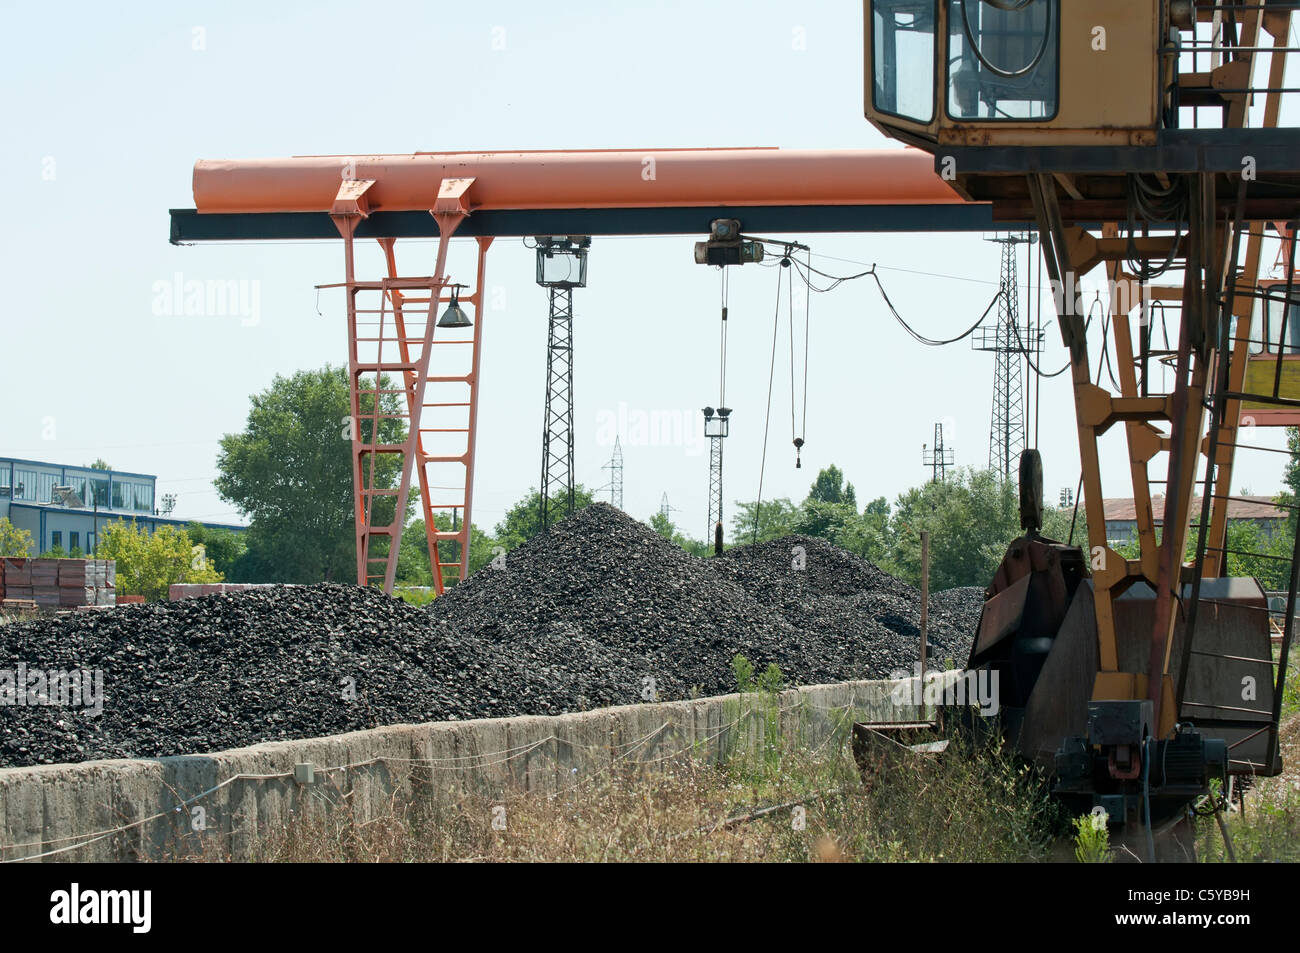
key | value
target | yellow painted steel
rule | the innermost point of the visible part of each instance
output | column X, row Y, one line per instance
column 1109, row 93
column 1260, row 371
column 1116, row 70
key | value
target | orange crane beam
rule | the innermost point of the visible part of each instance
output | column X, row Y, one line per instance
column 591, row 179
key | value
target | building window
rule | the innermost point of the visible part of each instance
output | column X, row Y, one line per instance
column 56, row 539
column 74, row 541
column 90, row 543
column 78, row 485
column 24, row 484
column 118, row 499
column 45, row 483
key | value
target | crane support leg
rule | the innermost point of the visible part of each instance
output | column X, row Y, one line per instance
column 399, row 423
column 1170, row 422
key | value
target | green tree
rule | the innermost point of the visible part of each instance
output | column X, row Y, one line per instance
column 665, row 527
column 482, row 549
column 1254, row 551
column 820, row 515
column 866, row 533
column 696, row 547
column 1057, row 523
column 523, row 521
column 223, row 548
column 823, row 519
column 100, row 464
column 752, row 523
column 828, row 512
column 290, row 471
column 662, row 525
column 1291, row 480
column 413, row 565
column 147, row 564
column 971, row 518
column 14, row 541
column 869, row 536
column 830, row 487
column 1291, row 475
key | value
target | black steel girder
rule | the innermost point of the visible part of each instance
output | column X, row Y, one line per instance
column 189, row 226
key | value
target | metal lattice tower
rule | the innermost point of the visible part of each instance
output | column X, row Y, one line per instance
column 664, row 509
column 561, row 267
column 939, row 458
column 615, row 468
column 715, row 484
column 1011, row 343
column 717, row 424
column 557, row 429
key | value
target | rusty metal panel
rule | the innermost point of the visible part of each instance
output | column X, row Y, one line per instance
column 1058, row 706
column 1229, row 691
column 1001, row 616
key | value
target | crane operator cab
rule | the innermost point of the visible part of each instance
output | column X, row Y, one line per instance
column 1014, row 72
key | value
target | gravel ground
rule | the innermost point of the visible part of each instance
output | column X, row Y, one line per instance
column 601, row 610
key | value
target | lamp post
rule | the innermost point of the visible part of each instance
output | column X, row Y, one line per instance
column 94, row 486
column 717, row 424
column 561, row 267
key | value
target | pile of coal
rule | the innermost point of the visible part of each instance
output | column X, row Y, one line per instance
column 842, row 603
column 600, row 610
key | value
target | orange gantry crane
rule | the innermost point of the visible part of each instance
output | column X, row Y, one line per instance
column 404, row 362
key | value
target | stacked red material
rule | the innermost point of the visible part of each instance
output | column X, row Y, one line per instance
column 59, row 583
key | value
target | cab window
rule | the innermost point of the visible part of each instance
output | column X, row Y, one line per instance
column 1276, row 311
column 902, row 56
column 1003, row 60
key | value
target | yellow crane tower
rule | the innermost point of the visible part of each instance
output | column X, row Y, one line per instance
column 1138, row 138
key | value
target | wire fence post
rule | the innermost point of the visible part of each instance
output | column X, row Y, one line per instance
column 925, row 607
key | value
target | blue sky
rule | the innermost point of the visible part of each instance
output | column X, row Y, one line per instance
column 106, row 108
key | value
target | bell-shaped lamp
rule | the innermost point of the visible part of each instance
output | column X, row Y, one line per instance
column 455, row 316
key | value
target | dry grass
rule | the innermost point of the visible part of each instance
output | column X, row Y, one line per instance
column 1266, row 828
column 776, row 806
column 774, row 801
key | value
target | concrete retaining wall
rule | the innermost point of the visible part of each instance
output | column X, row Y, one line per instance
column 146, row 809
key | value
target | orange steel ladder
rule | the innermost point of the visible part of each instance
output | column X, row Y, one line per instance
column 402, row 366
